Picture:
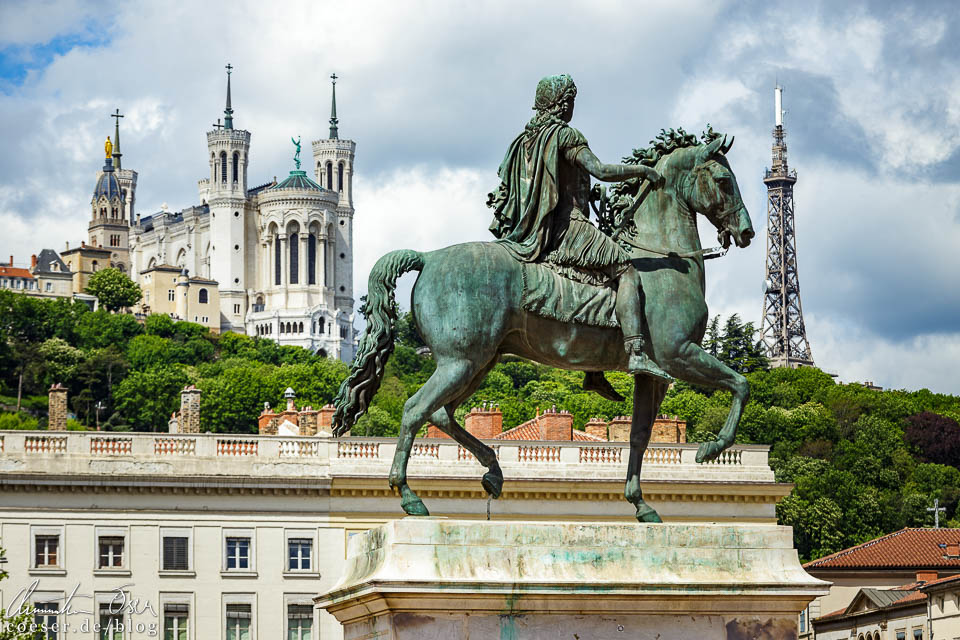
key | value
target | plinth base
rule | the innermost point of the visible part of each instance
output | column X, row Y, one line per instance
column 432, row 578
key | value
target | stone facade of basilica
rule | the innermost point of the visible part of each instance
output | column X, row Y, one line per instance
column 281, row 253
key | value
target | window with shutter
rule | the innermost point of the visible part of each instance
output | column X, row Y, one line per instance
column 175, row 557
column 238, row 622
column 175, row 621
column 299, row 622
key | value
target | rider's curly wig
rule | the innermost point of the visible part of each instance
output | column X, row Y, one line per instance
column 552, row 95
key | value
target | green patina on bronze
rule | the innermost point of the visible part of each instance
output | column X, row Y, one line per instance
column 645, row 257
column 296, row 155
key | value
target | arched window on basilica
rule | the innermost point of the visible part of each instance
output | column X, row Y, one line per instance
column 277, row 258
column 203, row 297
column 330, row 176
column 340, row 177
column 294, row 258
column 312, row 259
column 236, row 166
column 223, row 167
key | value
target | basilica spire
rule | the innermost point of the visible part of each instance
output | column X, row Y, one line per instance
column 228, row 112
column 116, row 137
column 333, row 108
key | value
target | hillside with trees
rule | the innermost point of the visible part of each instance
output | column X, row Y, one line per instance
column 863, row 462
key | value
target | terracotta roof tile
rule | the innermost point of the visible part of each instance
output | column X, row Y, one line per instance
column 833, row 614
column 530, row 430
column 940, row 581
column 904, row 549
column 16, row 272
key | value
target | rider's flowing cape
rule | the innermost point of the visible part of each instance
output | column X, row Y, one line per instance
column 528, row 193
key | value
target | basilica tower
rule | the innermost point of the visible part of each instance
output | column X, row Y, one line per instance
column 109, row 229
column 228, row 150
column 333, row 163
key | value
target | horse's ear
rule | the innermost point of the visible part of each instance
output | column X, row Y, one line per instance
column 708, row 151
column 725, row 148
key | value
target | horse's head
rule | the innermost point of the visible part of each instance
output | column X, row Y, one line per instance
column 711, row 188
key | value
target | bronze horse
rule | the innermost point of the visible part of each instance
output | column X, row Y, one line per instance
column 467, row 306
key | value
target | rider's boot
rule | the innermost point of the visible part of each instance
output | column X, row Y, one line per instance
column 640, row 362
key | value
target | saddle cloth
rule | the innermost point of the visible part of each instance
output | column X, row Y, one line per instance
column 551, row 295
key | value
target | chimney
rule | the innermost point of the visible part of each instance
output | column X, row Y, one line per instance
column 291, row 397
column 596, row 427
column 57, row 408
column 484, row 422
column 620, row 429
column 433, row 431
column 556, row 425
column 173, row 426
column 927, row 576
column 190, row 410
column 268, row 422
column 11, row 261
column 33, row 261
column 67, row 246
column 325, row 419
column 669, row 429
column 308, row 421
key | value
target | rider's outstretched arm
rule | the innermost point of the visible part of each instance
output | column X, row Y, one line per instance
column 587, row 161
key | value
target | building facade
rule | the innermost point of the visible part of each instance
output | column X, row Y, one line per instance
column 232, row 535
column 281, row 253
column 871, row 581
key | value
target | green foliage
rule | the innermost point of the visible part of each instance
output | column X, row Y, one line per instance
column 18, row 421
column 114, row 289
column 148, row 398
column 99, row 329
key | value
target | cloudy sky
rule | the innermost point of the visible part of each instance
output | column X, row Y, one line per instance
column 432, row 92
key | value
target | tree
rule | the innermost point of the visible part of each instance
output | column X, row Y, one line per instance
column 147, row 398
column 99, row 329
column 114, row 289
column 739, row 348
column 936, row 438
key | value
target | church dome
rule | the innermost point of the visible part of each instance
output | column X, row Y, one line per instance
column 107, row 184
column 298, row 180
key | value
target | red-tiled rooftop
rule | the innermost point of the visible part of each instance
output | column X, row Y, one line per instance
column 15, row 272
column 530, row 430
column 905, row 549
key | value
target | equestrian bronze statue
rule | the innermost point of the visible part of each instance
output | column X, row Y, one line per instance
column 626, row 295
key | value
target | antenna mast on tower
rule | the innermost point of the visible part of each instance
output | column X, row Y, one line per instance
column 782, row 330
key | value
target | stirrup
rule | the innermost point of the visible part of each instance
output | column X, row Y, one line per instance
column 641, row 364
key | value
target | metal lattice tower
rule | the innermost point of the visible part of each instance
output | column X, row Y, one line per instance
column 782, row 331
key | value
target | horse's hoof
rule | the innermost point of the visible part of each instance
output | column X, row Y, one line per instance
column 646, row 513
column 492, row 484
column 708, row 451
column 414, row 507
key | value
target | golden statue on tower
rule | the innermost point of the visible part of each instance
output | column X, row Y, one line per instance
column 108, row 147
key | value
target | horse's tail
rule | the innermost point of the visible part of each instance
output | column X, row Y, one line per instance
column 358, row 389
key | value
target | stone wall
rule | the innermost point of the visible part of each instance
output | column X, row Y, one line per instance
column 57, row 408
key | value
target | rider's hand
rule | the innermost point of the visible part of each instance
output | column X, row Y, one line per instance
column 653, row 176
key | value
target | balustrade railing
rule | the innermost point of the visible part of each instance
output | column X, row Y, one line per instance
column 599, row 457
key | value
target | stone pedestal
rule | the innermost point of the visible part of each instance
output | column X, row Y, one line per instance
column 439, row 579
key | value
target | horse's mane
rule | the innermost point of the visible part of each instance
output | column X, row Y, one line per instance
column 668, row 141
column 623, row 193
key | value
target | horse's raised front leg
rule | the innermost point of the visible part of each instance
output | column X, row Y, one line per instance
column 696, row 366
column 492, row 480
column 445, row 384
column 647, row 395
